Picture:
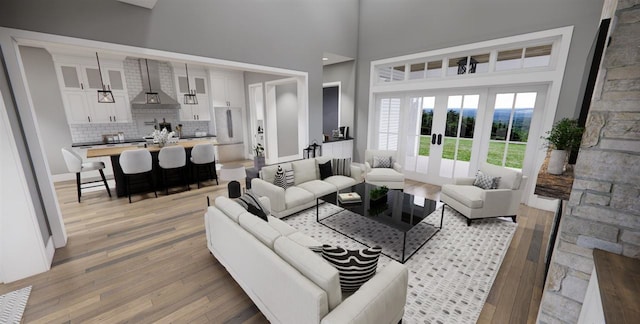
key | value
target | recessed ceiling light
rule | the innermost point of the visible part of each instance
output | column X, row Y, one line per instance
column 325, row 58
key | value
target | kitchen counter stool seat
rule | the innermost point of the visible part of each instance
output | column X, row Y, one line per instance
column 76, row 164
column 137, row 163
column 173, row 158
column 203, row 155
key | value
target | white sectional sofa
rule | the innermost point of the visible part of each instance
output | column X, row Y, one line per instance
column 288, row 282
column 307, row 186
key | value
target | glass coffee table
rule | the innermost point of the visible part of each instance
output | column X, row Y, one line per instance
column 396, row 222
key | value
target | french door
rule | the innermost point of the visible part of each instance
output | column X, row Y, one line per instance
column 447, row 134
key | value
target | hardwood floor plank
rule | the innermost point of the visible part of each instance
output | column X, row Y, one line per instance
column 148, row 262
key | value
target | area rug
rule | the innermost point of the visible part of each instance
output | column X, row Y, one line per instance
column 12, row 305
column 449, row 277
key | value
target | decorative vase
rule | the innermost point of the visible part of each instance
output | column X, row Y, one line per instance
column 556, row 161
column 258, row 162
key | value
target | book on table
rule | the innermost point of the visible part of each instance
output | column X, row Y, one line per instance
column 349, row 197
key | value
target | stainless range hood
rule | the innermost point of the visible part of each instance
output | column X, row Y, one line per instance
column 140, row 101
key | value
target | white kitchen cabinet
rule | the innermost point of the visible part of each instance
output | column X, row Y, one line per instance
column 227, row 89
column 197, row 82
column 79, row 80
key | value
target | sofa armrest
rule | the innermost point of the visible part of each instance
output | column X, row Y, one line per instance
column 397, row 167
column 379, row 300
column 367, row 167
column 464, row 181
column 357, row 172
column 266, row 202
column 499, row 202
column 271, row 191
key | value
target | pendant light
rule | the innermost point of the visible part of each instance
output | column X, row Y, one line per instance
column 190, row 98
column 152, row 97
column 105, row 95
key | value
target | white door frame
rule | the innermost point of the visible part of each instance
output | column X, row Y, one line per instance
column 272, row 122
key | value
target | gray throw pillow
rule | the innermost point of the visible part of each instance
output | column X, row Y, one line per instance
column 341, row 167
column 485, row 181
column 382, row 162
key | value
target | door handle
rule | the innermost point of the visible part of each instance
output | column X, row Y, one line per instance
column 89, row 118
column 114, row 118
column 439, row 139
column 433, row 139
column 110, row 118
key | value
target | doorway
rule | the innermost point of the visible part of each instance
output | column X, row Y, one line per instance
column 447, row 134
column 330, row 107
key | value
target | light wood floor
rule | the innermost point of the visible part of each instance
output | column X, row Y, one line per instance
column 148, row 262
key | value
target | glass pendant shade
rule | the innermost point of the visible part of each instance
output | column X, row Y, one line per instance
column 105, row 95
column 189, row 98
column 153, row 98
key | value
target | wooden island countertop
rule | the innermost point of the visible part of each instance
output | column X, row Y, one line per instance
column 117, row 150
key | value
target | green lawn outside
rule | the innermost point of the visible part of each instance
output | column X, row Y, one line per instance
column 515, row 153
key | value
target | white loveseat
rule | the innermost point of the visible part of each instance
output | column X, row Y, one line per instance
column 288, row 282
column 307, row 186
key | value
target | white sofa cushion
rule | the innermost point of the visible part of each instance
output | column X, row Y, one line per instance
column 470, row 196
column 305, row 240
column 305, row 170
column 259, row 228
column 229, row 207
column 311, row 266
column 318, row 188
column 384, row 174
column 280, row 226
column 295, row 196
column 341, row 182
column 509, row 179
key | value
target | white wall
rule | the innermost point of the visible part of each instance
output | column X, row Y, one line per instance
column 47, row 101
column 287, row 119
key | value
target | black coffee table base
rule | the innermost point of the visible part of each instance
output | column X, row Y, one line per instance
column 404, row 234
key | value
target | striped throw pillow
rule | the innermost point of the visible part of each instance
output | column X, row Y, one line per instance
column 341, row 167
column 289, row 178
column 252, row 204
column 280, row 179
column 355, row 267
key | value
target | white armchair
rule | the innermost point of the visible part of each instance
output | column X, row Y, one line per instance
column 476, row 203
column 392, row 178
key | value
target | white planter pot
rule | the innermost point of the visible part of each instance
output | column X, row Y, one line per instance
column 556, row 161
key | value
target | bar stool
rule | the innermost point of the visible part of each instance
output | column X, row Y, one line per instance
column 172, row 158
column 202, row 155
column 136, row 163
column 75, row 164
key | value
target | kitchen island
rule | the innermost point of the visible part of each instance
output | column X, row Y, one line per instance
column 114, row 153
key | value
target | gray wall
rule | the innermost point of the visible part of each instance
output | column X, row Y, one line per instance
column 344, row 72
column 287, row 119
column 290, row 34
column 47, row 101
column 393, row 28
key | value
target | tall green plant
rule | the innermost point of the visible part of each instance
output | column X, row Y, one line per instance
column 565, row 135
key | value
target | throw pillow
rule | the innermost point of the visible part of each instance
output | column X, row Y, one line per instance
column 355, row 267
column 280, row 178
column 485, row 181
column 316, row 249
column 341, row 167
column 252, row 204
column 382, row 162
column 325, row 170
column 289, row 178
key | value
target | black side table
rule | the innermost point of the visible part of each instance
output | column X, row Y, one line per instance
column 251, row 174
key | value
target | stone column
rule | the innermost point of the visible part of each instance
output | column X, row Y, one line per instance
column 604, row 208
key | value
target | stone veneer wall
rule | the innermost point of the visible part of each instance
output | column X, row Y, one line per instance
column 93, row 132
column 604, row 209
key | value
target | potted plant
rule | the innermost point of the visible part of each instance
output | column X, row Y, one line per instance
column 564, row 137
column 378, row 195
column 258, row 159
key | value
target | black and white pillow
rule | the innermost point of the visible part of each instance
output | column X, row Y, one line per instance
column 280, row 178
column 382, row 162
column 355, row 267
column 485, row 181
column 252, row 204
column 325, row 170
column 289, row 178
column 341, row 166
